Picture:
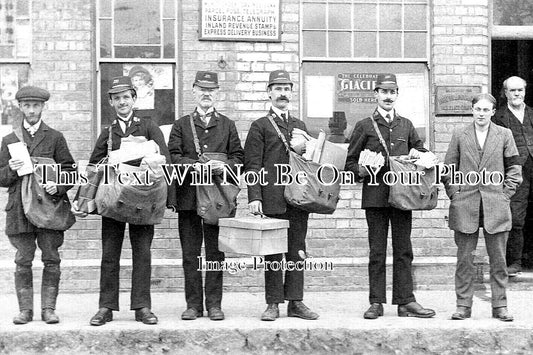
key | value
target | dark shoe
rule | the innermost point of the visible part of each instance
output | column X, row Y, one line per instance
column 462, row 312
column 101, row 317
column 271, row 313
column 300, row 310
column 413, row 309
column 23, row 317
column 502, row 314
column 375, row 311
column 215, row 313
column 514, row 270
column 191, row 314
column 49, row 316
column 145, row 315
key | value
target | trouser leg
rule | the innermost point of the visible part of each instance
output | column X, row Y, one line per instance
column 378, row 227
column 213, row 279
column 141, row 237
column 294, row 279
column 112, row 238
column 25, row 245
column 191, row 236
column 402, row 250
column 465, row 270
column 498, row 270
column 49, row 242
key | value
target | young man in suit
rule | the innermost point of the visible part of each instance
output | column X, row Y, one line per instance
column 401, row 138
column 216, row 134
column 263, row 150
column 122, row 98
column 482, row 147
column 518, row 117
column 41, row 141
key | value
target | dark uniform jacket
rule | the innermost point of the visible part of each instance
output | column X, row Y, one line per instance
column 264, row 149
column 138, row 127
column 522, row 133
column 46, row 143
column 219, row 136
column 400, row 136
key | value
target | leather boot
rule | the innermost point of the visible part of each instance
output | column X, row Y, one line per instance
column 24, row 288
column 49, row 291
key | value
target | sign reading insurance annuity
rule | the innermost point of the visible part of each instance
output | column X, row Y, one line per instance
column 240, row 20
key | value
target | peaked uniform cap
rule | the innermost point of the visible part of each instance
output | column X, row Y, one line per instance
column 120, row 84
column 386, row 81
column 279, row 77
column 206, row 79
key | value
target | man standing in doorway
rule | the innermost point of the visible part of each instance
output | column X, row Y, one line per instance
column 400, row 137
column 518, row 117
column 263, row 150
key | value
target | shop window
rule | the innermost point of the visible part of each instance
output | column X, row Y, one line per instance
column 338, row 95
column 356, row 29
column 15, row 53
column 512, row 13
column 138, row 39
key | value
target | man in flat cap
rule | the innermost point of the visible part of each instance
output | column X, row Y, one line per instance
column 122, row 97
column 219, row 144
column 263, row 150
column 400, row 138
column 41, row 141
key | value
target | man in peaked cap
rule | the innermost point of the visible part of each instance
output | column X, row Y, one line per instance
column 216, row 133
column 401, row 138
column 41, row 141
column 122, row 97
column 263, row 150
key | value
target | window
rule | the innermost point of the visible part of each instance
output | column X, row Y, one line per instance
column 138, row 39
column 388, row 29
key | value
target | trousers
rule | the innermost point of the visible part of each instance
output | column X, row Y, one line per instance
column 141, row 237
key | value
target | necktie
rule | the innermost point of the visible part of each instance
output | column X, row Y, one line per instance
column 284, row 117
column 126, row 124
column 389, row 119
column 31, row 131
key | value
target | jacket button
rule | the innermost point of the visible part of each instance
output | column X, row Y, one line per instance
column 390, row 130
column 205, row 146
column 206, row 131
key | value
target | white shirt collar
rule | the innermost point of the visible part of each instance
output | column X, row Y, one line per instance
column 518, row 113
column 205, row 114
column 278, row 112
column 31, row 128
column 384, row 113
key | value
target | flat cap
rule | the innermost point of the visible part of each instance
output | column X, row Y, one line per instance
column 32, row 93
column 120, row 84
column 386, row 81
column 279, row 77
column 206, row 79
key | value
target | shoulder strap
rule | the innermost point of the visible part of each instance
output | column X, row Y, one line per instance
column 195, row 137
column 110, row 140
column 381, row 140
column 280, row 135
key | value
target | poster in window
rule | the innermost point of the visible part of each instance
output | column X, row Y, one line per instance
column 154, row 84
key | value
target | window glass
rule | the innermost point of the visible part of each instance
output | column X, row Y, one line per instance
column 12, row 77
column 15, row 29
column 390, row 44
column 314, row 16
column 390, row 17
column 415, row 17
column 315, row 43
column 415, row 45
column 365, row 44
column 364, row 17
column 137, row 22
column 338, row 42
column 339, row 16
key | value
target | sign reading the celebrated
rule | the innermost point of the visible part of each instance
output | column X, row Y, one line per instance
column 455, row 100
column 356, row 87
column 240, row 20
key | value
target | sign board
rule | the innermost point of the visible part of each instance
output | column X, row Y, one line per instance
column 240, row 20
column 455, row 100
column 356, row 87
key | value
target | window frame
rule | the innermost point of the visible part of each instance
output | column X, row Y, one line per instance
column 29, row 58
column 175, row 61
column 327, row 30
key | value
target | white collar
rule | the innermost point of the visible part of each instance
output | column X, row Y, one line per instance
column 204, row 113
column 31, row 128
column 521, row 109
column 130, row 115
column 278, row 112
column 384, row 113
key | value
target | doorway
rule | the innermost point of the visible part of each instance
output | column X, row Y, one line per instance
column 512, row 57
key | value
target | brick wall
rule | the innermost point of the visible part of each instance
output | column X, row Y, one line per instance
column 63, row 62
